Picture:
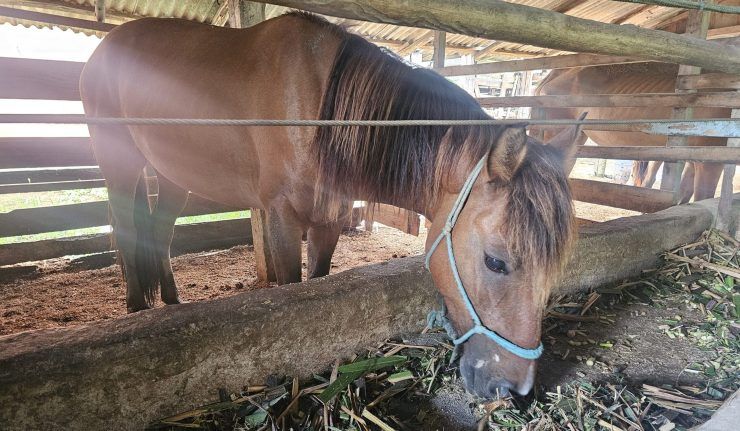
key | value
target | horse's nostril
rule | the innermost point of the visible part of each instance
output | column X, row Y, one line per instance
column 499, row 388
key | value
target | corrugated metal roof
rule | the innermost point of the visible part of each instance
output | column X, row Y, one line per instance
column 397, row 38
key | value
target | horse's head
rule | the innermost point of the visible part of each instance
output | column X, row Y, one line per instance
column 499, row 238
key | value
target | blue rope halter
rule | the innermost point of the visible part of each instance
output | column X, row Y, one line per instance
column 478, row 327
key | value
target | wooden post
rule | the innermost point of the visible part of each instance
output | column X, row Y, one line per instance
column 440, row 41
column 725, row 220
column 100, row 10
column 697, row 26
column 244, row 14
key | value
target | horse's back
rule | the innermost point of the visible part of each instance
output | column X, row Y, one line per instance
column 168, row 68
column 622, row 79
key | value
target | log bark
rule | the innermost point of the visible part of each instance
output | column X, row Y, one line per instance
column 494, row 19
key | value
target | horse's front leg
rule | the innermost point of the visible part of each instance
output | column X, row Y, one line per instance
column 285, row 232
column 322, row 240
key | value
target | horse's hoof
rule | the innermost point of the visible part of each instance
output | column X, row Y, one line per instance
column 175, row 301
column 135, row 308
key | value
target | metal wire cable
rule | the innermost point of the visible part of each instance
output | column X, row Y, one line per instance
column 81, row 119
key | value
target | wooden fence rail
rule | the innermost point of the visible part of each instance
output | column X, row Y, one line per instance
column 666, row 154
column 722, row 100
column 621, row 196
column 45, row 152
column 553, row 62
column 40, row 79
column 188, row 238
column 28, row 221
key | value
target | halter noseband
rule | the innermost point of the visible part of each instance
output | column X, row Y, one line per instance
column 478, row 327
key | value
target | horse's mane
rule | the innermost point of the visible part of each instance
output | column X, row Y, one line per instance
column 397, row 163
column 404, row 165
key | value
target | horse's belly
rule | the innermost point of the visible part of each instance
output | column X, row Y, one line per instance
column 209, row 163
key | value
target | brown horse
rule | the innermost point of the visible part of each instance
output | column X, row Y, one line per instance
column 699, row 179
column 510, row 239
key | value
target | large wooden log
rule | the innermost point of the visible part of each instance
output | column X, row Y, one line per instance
column 666, row 154
column 30, row 221
column 189, row 238
column 495, row 19
column 45, row 152
column 39, row 79
column 124, row 373
column 553, row 62
column 730, row 99
column 620, row 196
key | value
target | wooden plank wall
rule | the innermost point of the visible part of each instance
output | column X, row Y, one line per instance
column 58, row 163
column 47, row 164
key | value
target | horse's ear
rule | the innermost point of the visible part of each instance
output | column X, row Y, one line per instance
column 508, row 154
column 567, row 142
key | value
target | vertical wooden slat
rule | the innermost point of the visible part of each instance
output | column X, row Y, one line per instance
column 697, row 26
column 440, row 41
column 100, row 10
column 243, row 14
column 725, row 220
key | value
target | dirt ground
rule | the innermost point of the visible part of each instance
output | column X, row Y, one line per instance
column 57, row 295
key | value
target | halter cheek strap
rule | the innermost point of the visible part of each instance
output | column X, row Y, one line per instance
column 446, row 234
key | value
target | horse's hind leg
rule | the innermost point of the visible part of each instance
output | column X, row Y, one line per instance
column 122, row 166
column 322, row 240
column 171, row 200
column 652, row 173
column 706, row 179
column 686, row 188
column 285, row 232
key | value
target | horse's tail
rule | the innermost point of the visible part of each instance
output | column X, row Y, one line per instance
column 639, row 172
column 147, row 263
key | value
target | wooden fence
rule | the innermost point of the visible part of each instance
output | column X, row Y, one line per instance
column 724, row 93
column 52, row 164
column 42, row 164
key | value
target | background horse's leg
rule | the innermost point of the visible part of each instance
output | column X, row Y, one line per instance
column 285, row 232
column 322, row 240
column 652, row 173
column 686, row 188
column 706, row 179
column 171, row 200
column 122, row 166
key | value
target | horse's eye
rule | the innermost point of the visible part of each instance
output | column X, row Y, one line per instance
column 496, row 265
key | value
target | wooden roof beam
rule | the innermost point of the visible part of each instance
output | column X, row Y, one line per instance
column 55, row 19
column 81, row 10
column 422, row 40
column 499, row 20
